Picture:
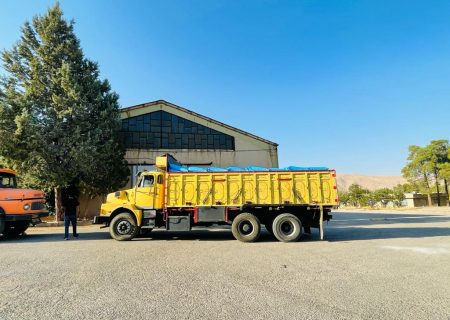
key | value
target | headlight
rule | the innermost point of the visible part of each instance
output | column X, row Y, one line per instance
column 26, row 206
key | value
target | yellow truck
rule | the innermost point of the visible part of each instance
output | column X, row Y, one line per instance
column 286, row 201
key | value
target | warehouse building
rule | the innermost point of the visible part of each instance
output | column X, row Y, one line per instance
column 158, row 127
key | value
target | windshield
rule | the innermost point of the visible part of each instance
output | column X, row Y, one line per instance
column 7, row 180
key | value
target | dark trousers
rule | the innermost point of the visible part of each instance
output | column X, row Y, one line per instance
column 67, row 221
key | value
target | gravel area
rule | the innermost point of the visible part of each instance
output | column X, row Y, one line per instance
column 372, row 265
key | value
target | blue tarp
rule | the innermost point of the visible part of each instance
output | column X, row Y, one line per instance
column 173, row 167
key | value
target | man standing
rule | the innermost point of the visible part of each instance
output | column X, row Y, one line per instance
column 71, row 209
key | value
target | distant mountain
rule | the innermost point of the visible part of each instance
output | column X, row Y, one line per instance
column 345, row 180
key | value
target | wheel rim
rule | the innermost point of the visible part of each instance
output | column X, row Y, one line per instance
column 245, row 228
column 287, row 228
column 124, row 227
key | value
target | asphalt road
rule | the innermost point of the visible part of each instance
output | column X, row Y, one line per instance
column 371, row 266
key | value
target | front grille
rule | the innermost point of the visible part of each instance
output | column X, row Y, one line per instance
column 37, row 206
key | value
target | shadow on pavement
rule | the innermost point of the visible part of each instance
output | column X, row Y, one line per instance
column 200, row 235
column 355, row 233
column 347, row 226
column 385, row 218
column 344, row 227
column 54, row 237
column 212, row 234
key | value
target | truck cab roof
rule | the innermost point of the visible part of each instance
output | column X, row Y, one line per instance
column 3, row 170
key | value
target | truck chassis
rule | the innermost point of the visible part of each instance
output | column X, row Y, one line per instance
column 286, row 223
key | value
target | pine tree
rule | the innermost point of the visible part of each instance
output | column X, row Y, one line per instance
column 58, row 121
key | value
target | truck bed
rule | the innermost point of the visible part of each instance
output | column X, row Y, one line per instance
column 187, row 189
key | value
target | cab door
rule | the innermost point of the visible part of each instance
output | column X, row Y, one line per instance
column 158, row 201
column 145, row 192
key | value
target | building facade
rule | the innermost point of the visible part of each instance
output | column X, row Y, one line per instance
column 155, row 128
column 415, row 199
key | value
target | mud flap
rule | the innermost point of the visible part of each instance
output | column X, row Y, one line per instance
column 321, row 223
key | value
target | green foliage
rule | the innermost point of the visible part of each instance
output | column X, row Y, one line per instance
column 444, row 170
column 416, row 168
column 428, row 164
column 358, row 196
column 343, row 198
column 58, row 120
column 398, row 193
column 437, row 154
column 383, row 196
column 2, row 162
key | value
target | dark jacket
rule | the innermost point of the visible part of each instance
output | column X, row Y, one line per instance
column 69, row 200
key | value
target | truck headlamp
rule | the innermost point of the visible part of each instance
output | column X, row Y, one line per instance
column 26, row 206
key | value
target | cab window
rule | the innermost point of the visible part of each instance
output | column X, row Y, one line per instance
column 147, row 181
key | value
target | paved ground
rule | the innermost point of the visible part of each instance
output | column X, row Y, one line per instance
column 371, row 266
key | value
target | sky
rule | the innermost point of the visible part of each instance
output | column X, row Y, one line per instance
column 345, row 84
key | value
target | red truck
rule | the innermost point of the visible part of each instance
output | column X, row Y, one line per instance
column 18, row 207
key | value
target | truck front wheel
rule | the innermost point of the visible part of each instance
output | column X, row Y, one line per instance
column 123, row 227
column 287, row 227
column 246, row 227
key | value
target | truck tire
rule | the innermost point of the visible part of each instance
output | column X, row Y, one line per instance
column 246, row 227
column 16, row 228
column 123, row 227
column 287, row 227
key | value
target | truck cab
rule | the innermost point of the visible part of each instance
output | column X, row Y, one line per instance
column 18, row 207
column 140, row 203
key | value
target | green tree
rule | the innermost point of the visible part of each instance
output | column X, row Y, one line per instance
column 383, row 196
column 358, row 196
column 417, row 169
column 436, row 156
column 343, row 198
column 444, row 170
column 398, row 193
column 58, row 120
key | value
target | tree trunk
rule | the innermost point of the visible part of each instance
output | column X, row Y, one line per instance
column 430, row 203
column 437, row 188
column 57, row 203
column 446, row 192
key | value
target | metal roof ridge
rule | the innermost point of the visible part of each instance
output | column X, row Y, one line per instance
column 161, row 101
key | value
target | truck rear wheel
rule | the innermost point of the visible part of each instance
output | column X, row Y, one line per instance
column 16, row 228
column 287, row 227
column 246, row 227
column 123, row 227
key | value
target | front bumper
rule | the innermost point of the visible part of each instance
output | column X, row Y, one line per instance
column 26, row 216
column 101, row 220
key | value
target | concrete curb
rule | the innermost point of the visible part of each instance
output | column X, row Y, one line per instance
column 61, row 223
